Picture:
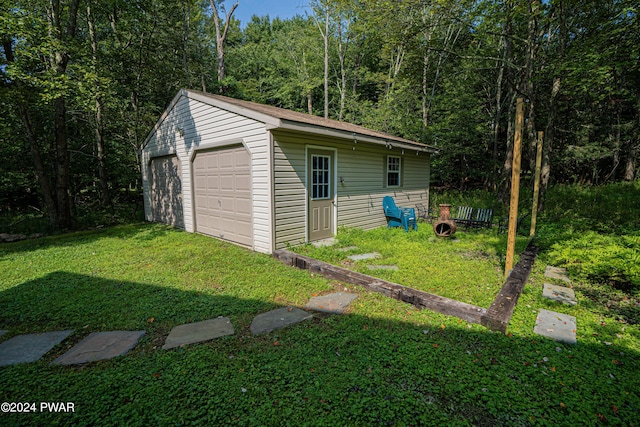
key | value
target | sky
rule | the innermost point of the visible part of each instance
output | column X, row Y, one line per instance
column 274, row 8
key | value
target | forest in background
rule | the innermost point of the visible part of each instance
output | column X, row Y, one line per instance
column 82, row 82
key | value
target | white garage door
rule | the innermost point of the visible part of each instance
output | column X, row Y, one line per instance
column 223, row 194
column 166, row 191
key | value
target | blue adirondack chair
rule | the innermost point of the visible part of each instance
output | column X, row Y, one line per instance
column 397, row 216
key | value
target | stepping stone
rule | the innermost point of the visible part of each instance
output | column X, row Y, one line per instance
column 557, row 273
column 198, row 332
column 383, row 267
column 100, row 346
column 276, row 319
column 3, row 331
column 360, row 257
column 559, row 293
column 324, row 242
column 29, row 348
column 557, row 326
column 335, row 303
column 347, row 249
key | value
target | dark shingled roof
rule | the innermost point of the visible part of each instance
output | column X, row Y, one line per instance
column 308, row 119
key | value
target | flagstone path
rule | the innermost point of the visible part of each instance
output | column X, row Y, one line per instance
column 383, row 267
column 106, row 345
column 360, row 257
column 335, row 303
column 557, row 326
column 100, row 346
column 30, row 347
column 191, row 333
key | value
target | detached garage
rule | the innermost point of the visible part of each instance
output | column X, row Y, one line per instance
column 264, row 177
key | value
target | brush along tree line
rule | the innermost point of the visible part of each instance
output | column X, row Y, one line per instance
column 83, row 82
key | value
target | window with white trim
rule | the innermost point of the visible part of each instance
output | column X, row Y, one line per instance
column 393, row 171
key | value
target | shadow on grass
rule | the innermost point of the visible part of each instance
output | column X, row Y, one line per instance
column 147, row 232
column 394, row 366
column 62, row 300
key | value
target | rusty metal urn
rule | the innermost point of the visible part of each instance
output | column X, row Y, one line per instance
column 444, row 226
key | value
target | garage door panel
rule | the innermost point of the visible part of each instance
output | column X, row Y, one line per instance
column 213, row 183
column 227, row 183
column 242, row 181
column 227, row 205
column 240, row 160
column 211, row 205
column 211, row 162
column 227, row 210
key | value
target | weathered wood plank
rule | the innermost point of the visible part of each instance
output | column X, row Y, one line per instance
column 499, row 313
column 420, row 299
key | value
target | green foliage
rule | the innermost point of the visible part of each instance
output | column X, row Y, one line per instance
column 611, row 208
column 444, row 73
column 594, row 232
column 383, row 362
column 602, row 258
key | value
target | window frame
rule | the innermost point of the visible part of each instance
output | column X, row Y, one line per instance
column 389, row 171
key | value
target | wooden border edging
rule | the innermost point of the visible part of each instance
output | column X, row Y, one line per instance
column 420, row 299
column 499, row 313
column 496, row 317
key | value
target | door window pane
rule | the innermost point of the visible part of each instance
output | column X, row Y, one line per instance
column 320, row 175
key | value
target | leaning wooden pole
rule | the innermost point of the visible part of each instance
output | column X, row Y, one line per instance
column 515, row 187
column 536, row 186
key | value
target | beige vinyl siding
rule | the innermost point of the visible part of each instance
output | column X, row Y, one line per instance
column 290, row 193
column 190, row 125
column 359, row 200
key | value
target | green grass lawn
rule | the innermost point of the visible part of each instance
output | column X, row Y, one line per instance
column 468, row 267
column 382, row 363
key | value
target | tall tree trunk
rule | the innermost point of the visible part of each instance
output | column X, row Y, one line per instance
column 632, row 145
column 499, row 107
column 549, row 134
column 63, row 163
column 630, row 165
column 529, row 87
column 326, row 64
column 325, row 37
column 59, row 60
column 105, row 198
column 40, row 169
column 343, row 73
column 221, row 35
column 395, row 65
column 617, row 146
column 441, row 58
column 425, row 88
column 186, row 25
column 510, row 99
column 41, row 172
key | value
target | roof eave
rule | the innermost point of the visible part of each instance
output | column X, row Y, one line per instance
column 389, row 141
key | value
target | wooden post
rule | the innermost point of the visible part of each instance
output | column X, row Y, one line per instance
column 536, row 186
column 515, row 187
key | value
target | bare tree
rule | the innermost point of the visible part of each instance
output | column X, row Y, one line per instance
column 325, row 36
column 221, row 34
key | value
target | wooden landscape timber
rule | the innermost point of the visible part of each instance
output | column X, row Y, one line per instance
column 499, row 313
column 495, row 318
